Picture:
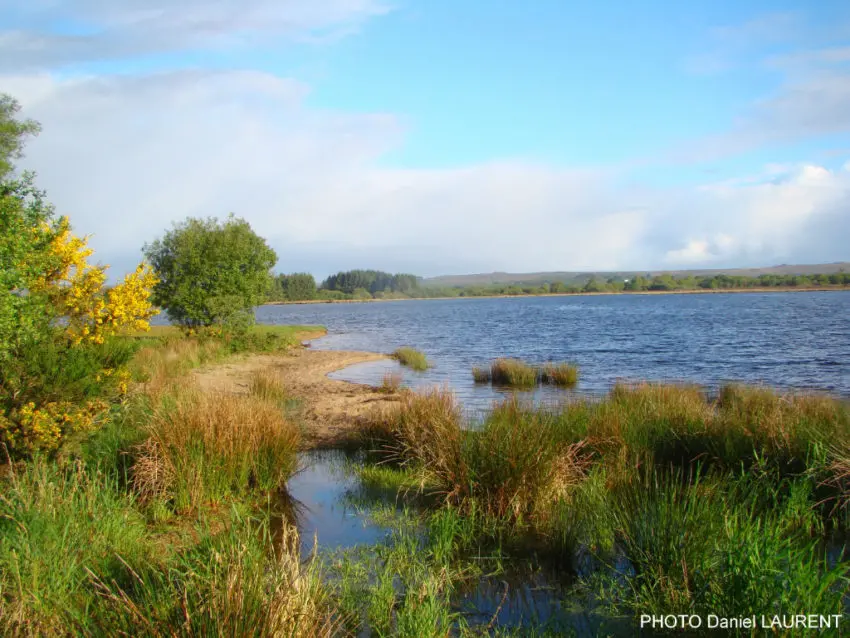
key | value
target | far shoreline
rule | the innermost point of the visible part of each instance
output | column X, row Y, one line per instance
column 576, row 294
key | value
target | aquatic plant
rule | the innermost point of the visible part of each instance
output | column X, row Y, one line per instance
column 561, row 374
column 412, row 358
column 513, row 373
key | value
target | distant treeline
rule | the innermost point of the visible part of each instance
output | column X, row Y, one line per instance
column 374, row 284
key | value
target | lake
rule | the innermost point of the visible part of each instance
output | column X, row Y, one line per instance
column 797, row 340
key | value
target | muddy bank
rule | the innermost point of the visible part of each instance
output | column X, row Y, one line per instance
column 331, row 409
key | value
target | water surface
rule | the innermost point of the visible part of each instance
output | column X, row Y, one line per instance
column 798, row 340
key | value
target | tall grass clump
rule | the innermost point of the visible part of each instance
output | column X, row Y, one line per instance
column 481, row 375
column 796, row 430
column 202, row 448
column 667, row 422
column 560, row 374
column 412, row 358
column 267, row 385
column 57, row 524
column 513, row 373
column 425, row 429
column 514, row 461
column 229, row 584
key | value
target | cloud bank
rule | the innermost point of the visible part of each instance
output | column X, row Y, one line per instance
column 126, row 155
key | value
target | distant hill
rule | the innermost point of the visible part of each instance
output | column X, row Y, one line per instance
column 578, row 277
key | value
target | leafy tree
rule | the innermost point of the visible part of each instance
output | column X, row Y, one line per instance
column 13, row 133
column 211, row 273
column 298, row 286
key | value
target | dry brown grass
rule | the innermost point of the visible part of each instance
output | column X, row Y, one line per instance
column 203, row 447
column 267, row 384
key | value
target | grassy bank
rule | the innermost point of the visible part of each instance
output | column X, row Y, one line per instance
column 154, row 522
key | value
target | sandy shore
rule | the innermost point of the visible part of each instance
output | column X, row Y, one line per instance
column 701, row 291
column 330, row 409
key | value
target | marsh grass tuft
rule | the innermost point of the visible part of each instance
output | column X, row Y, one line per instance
column 266, row 384
column 513, row 373
column 202, row 448
column 560, row 374
column 481, row 375
column 411, row 358
column 230, row 584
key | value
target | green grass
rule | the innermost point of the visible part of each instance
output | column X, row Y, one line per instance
column 518, row 374
column 170, row 332
column 202, row 449
column 561, row 374
column 57, row 525
column 412, row 358
column 513, row 373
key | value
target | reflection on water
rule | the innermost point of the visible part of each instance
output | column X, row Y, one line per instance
column 326, row 507
column 327, row 501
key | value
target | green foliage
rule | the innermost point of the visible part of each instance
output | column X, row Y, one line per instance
column 211, row 272
column 24, row 316
column 12, row 133
column 372, row 281
column 298, row 286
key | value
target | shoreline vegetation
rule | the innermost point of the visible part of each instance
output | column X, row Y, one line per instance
column 375, row 285
column 827, row 288
column 182, row 486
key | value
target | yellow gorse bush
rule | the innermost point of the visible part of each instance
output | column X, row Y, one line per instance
column 85, row 312
column 76, row 288
column 42, row 427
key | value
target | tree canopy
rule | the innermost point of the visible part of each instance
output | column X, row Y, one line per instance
column 13, row 133
column 211, row 272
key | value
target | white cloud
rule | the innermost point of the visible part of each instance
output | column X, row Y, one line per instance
column 126, row 156
column 105, row 29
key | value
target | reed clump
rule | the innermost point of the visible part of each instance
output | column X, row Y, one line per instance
column 202, row 448
column 266, row 384
column 424, row 429
column 412, row 358
column 560, row 374
column 513, row 373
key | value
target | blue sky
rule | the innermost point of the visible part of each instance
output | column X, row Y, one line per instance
column 443, row 136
